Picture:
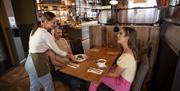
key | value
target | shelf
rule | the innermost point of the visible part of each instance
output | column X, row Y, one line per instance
column 61, row 11
column 59, row 5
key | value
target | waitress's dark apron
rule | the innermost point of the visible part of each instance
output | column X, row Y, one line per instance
column 40, row 62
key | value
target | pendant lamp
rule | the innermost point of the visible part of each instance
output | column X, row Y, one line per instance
column 113, row 2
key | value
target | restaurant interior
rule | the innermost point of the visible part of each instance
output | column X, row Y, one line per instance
column 95, row 23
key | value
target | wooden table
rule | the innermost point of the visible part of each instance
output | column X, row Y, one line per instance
column 110, row 54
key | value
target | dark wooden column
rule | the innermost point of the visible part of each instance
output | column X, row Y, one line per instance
column 5, row 11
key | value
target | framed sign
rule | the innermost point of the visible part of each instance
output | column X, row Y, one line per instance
column 12, row 22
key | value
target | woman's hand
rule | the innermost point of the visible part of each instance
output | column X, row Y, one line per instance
column 116, row 73
column 113, row 68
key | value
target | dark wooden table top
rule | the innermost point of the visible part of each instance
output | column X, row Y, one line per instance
column 110, row 54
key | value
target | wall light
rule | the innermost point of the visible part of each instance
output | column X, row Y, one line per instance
column 113, row 2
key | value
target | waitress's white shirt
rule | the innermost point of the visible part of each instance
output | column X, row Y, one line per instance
column 41, row 41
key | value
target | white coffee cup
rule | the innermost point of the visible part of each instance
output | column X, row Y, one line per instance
column 101, row 63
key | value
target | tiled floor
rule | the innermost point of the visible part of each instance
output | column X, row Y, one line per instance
column 18, row 80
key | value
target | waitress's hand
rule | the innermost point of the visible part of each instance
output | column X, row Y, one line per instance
column 72, row 57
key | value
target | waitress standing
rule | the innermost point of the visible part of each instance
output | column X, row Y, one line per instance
column 39, row 42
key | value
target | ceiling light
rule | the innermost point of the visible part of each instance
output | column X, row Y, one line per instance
column 113, row 2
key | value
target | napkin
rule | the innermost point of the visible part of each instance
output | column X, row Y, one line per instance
column 95, row 70
column 73, row 65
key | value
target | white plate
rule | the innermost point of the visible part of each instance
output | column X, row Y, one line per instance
column 81, row 57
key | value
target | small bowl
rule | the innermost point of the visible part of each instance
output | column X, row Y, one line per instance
column 101, row 61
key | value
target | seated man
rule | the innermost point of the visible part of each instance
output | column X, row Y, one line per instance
column 73, row 82
column 63, row 45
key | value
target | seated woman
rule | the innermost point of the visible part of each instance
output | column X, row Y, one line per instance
column 121, row 76
column 73, row 83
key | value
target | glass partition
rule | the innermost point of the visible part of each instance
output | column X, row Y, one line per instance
column 146, row 16
column 129, row 16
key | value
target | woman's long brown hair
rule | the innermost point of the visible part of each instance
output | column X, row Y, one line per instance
column 132, row 41
column 46, row 16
